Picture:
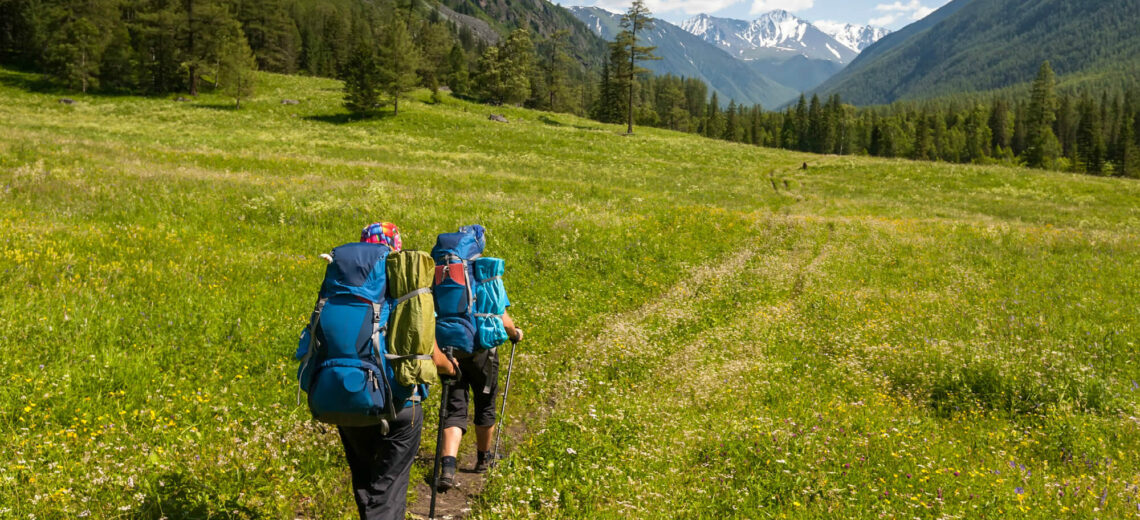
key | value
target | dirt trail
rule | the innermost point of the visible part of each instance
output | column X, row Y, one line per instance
column 457, row 503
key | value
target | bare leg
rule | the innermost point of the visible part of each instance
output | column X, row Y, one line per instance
column 451, row 438
column 483, row 437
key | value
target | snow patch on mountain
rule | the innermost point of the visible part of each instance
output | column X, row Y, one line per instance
column 854, row 37
column 780, row 34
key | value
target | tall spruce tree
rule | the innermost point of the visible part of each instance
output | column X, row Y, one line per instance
column 636, row 19
column 1042, row 147
column 1090, row 136
column 362, row 80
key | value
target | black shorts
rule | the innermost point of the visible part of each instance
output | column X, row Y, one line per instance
column 480, row 378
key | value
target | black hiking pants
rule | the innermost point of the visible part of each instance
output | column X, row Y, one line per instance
column 480, row 383
column 381, row 464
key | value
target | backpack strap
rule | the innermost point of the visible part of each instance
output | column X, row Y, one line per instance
column 377, row 328
column 314, row 322
column 417, row 292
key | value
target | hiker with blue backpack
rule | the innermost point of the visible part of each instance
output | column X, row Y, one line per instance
column 367, row 358
column 471, row 321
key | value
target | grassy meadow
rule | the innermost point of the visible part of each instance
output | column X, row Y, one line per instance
column 712, row 332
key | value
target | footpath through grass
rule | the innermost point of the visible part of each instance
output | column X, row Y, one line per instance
column 711, row 331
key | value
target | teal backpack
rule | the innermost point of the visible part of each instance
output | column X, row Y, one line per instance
column 470, row 299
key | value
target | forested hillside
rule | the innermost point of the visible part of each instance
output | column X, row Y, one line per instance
column 983, row 45
column 162, row 46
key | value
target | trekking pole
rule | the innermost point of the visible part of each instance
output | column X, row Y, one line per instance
column 444, row 387
column 503, row 411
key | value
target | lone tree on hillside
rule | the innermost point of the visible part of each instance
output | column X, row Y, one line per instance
column 398, row 61
column 637, row 18
column 236, row 66
column 361, row 81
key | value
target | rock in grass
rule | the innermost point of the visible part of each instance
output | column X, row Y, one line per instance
column 67, row 101
column 181, row 99
column 290, row 102
column 497, row 117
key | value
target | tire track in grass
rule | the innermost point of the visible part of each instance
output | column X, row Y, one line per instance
column 605, row 358
column 619, row 424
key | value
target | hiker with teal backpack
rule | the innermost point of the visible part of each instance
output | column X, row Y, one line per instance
column 367, row 358
column 471, row 321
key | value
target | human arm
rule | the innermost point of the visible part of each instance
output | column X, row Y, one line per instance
column 444, row 365
column 513, row 332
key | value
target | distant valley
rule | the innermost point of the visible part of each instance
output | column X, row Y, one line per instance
column 768, row 61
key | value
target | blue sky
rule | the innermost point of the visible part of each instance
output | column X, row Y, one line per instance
column 891, row 14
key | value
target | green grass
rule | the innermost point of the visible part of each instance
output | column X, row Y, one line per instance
column 711, row 332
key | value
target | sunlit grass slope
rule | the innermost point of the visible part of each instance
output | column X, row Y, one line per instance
column 712, row 332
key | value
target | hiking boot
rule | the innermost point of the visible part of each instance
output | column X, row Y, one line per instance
column 447, row 474
column 484, row 462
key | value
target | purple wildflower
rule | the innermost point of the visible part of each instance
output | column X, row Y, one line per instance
column 1019, row 490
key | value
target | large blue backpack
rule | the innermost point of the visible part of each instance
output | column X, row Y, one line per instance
column 468, row 290
column 345, row 366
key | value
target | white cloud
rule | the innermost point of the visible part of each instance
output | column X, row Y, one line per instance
column 662, row 6
column 899, row 6
column 891, row 13
column 883, row 21
column 763, row 6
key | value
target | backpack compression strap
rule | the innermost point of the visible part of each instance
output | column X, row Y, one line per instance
column 314, row 321
column 393, row 357
column 376, row 329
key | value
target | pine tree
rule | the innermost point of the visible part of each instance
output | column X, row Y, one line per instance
column 637, row 18
column 488, row 80
column 802, row 124
column 978, row 135
column 398, row 61
column 1090, row 137
column 714, row 127
column 434, row 47
column 611, row 105
column 457, row 75
column 817, row 126
column 77, row 36
column 517, row 54
column 1042, row 147
column 362, row 80
column 557, row 69
column 236, row 66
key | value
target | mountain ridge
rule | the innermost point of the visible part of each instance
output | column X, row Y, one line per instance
column 981, row 45
column 686, row 55
column 780, row 34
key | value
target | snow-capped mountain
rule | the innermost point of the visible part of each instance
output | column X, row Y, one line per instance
column 855, row 37
column 685, row 55
column 780, row 34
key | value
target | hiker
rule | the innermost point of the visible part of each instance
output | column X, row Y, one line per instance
column 346, row 382
column 479, row 374
column 476, row 352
